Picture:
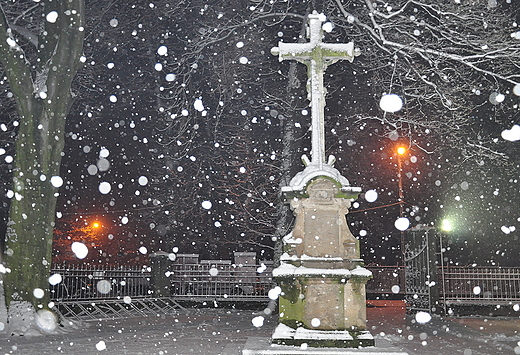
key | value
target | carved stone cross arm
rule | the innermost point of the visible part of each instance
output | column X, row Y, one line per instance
column 316, row 55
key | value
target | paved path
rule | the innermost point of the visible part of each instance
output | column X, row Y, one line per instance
column 220, row 331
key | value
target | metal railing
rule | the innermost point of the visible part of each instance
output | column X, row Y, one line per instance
column 219, row 282
column 458, row 284
column 480, row 285
column 98, row 283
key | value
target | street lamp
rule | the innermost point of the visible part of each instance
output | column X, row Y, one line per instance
column 400, row 152
column 446, row 225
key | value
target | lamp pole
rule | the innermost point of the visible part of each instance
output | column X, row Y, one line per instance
column 400, row 152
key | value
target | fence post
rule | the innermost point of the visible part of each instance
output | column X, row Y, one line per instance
column 159, row 282
column 433, row 267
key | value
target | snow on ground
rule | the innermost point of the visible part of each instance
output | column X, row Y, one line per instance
column 225, row 331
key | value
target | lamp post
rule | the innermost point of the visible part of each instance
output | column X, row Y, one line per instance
column 401, row 151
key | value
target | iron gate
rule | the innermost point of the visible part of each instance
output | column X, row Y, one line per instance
column 421, row 280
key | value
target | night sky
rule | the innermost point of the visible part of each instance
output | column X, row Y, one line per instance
column 129, row 113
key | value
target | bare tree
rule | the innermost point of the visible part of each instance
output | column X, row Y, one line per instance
column 448, row 61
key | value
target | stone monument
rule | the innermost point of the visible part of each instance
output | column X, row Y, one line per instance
column 321, row 275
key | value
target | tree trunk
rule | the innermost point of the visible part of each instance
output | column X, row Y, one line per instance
column 289, row 153
column 43, row 96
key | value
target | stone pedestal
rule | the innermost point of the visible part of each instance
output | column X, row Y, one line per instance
column 321, row 275
column 159, row 283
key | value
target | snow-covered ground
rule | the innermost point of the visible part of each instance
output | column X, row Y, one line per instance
column 226, row 331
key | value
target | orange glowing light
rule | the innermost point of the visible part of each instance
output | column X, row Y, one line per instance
column 96, row 225
column 401, row 150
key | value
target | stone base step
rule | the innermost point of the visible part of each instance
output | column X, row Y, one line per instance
column 263, row 346
column 284, row 335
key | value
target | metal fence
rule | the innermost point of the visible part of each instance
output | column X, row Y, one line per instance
column 98, row 283
column 220, row 282
column 463, row 285
column 479, row 285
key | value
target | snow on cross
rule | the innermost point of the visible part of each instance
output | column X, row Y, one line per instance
column 316, row 55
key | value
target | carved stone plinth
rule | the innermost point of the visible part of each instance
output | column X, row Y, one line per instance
column 322, row 279
column 321, row 276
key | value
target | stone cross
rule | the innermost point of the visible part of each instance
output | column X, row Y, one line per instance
column 316, row 55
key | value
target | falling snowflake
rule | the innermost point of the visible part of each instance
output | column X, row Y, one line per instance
column 391, row 103
column 80, row 250
column 371, row 195
column 105, row 187
column 52, row 17
column 162, row 50
column 402, row 223
column 56, row 181
column 258, row 321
